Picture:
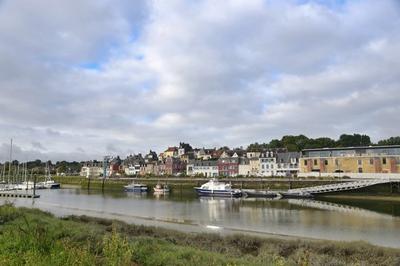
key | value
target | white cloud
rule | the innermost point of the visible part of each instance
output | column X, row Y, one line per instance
column 86, row 79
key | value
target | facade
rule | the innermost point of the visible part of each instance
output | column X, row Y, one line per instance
column 132, row 164
column 206, row 168
column 244, row 167
column 115, row 167
column 371, row 161
column 92, row 168
column 204, row 154
column 170, row 152
column 287, row 163
column 152, row 168
column 184, row 148
column 174, row 166
column 228, row 165
column 253, row 154
column 268, row 165
column 254, row 163
column 91, row 171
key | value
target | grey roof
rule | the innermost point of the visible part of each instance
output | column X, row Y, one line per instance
column 284, row 157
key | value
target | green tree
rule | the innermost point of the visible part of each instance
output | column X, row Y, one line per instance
column 390, row 141
column 353, row 140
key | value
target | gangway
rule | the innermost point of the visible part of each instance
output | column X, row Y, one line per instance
column 338, row 187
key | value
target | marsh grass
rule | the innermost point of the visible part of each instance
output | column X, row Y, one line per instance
column 34, row 237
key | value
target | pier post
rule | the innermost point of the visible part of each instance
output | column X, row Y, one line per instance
column 34, row 186
column 88, row 185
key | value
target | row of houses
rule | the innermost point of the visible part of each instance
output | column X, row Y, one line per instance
column 184, row 160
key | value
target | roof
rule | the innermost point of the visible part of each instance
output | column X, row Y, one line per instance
column 286, row 156
column 354, row 148
column 172, row 149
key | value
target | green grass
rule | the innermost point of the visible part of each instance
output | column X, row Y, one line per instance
column 34, row 237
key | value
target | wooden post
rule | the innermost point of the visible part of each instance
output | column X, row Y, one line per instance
column 34, row 186
column 88, row 185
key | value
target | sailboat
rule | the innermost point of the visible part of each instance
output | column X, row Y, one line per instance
column 26, row 185
column 49, row 183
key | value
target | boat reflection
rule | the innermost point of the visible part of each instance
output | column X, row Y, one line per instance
column 160, row 195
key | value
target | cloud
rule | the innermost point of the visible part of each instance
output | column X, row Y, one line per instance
column 103, row 77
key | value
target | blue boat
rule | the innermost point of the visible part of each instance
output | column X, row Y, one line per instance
column 214, row 188
column 133, row 187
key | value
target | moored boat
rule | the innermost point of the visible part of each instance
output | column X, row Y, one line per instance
column 51, row 184
column 135, row 187
column 296, row 195
column 252, row 193
column 27, row 185
column 214, row 188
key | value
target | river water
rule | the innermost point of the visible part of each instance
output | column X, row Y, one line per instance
column 377, row 222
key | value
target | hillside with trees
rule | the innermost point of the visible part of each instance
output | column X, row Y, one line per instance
column 300, row 142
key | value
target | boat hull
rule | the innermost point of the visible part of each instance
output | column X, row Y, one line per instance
column 136, row 189
column 55, row 186
column 296, row 196
column 218, row 193
column 260, row 194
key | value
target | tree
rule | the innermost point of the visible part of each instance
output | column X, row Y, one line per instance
column 353, row 140
column 390, row 141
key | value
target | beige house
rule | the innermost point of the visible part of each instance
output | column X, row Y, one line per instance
column 254, row 164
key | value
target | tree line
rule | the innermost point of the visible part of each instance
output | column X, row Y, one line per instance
column 300, row 142
column 39, row 167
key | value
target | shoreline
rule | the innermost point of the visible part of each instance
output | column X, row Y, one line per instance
column 88, row 240
column 184, row 226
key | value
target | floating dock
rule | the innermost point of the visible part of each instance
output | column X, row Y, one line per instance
column 14, row 194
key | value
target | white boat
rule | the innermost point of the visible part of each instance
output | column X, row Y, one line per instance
column 49, row 183
column 27, row 185
column 160, row 189
column 135, row 187
column 214, row 188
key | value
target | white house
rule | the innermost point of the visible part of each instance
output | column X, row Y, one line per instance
column 207, row 168
column 287, row 163
column 268, row 165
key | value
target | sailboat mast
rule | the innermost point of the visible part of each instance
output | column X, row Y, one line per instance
column 9, row 163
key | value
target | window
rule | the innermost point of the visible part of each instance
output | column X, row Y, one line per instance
column 315, row 162
column 336, row 162
column 383, row 160
column 305, row 162
column 326, row 162
column 371, row 161
column 360, row 170
column 359, row 162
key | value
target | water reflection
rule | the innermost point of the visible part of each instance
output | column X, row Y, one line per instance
column 330, row 206
column 183, row 210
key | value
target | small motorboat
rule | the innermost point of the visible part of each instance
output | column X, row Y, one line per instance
column 214, row 188
column 51, row 184
column 161, row 189
column 135, row 187
column 251, row 193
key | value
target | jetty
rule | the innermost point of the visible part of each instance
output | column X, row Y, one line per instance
column 339, row 186
column 17, row 194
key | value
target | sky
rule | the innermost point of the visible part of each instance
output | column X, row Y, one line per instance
column 84, row 79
